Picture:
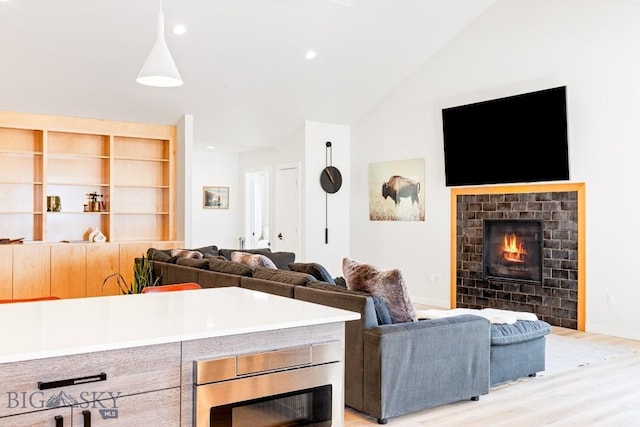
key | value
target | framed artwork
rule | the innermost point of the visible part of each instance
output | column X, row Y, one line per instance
column 215, row 198
column 396, row 191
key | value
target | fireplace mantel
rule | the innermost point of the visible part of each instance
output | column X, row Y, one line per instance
column 578, row 188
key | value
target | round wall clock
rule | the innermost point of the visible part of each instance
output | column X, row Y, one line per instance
column 331, row 179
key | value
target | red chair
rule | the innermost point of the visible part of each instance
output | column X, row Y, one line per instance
column 7, row 301
column 170, row 288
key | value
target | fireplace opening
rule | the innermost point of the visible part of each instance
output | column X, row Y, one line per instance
column 512, row 250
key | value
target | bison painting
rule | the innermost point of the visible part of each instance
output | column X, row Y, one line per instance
column 399, row 187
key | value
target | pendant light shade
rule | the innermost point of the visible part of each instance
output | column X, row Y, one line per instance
column 159, row 69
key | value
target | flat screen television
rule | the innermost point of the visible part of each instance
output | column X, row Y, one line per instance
column 517, row 139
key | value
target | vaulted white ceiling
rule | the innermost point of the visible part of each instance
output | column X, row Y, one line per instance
column 246, row 80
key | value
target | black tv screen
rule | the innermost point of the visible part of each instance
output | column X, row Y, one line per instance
column 521, row 138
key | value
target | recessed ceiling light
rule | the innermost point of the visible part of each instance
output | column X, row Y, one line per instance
column 310, row 54
column 179, row 30
column 210, row 147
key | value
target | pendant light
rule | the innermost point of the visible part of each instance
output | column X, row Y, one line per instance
column 159, row 69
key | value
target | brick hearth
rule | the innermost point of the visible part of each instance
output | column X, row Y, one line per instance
column 558, row 299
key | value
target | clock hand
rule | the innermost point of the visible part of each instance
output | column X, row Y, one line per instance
column 333, row 181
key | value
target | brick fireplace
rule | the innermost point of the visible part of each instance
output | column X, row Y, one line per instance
column 556, row 293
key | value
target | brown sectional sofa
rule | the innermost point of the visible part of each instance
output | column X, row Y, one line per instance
column 390, row 369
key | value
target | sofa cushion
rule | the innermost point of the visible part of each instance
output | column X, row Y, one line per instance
column 281, row 259
column 229, row 267
column 186, row 253
column 316, row 270
column 283, row 276
column 161, row 255
column 382, row 311
column 208, row 250
column 388, row 285
column 252, row 260
column 192, row 262
column 209, row 256
column 522, row 330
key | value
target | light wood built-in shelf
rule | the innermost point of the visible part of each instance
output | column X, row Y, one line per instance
column 131, row 165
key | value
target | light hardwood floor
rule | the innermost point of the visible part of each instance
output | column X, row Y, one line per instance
column 589, row 380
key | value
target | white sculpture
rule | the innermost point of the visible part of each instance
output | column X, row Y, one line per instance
column 97, row 236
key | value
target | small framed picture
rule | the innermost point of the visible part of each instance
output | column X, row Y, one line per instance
column 215, row 198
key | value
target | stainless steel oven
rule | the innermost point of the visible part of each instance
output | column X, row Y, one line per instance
column 285, row 387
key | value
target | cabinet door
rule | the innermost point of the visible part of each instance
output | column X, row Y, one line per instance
column 68, row 270
column 6, row 272
column 103, row 259
column 57, row 417
column 128, row 253
column 157, row 408
column 31, row 271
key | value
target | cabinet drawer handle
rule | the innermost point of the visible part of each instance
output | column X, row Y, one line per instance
column 72, row 381
column 59, row 420
column 86, row 418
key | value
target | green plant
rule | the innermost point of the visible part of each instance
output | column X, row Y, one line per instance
column 142, row 278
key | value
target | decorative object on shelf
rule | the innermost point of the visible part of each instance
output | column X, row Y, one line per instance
column 94, row 205
column 142, row 278
column 11, row 241
column 96, row 236
column 330, row 181
column 215, row 198
column 396, row 190
column 53, row 204
column 159, row 69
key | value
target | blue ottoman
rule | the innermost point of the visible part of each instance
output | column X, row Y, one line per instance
column 517, row 350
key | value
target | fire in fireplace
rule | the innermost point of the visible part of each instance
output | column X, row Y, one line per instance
column 512, row 250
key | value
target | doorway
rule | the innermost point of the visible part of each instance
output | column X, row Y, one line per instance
column 257, row 210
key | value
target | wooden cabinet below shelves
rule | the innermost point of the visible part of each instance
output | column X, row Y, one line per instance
column 6, row 272
column 69, row 270
column 31, row 271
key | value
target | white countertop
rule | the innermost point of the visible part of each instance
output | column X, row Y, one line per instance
column 35, row 330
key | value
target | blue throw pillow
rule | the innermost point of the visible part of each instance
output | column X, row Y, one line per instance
column 313, row 268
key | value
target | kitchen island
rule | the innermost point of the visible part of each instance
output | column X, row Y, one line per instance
column 126, row 360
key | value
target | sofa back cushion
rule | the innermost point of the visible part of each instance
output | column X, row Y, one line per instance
column 388, row 285
column 161, row 255
column 229, row 267
column 281, row 259
column 313, row 268
column 283, row 276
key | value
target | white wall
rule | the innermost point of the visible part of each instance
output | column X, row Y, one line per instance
column 591, row 46
column 315, row 203
column 221, row 227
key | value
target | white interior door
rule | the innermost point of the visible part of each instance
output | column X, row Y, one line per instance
column 288, row 215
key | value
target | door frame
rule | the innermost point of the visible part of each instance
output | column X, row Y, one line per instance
column 249, row 210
